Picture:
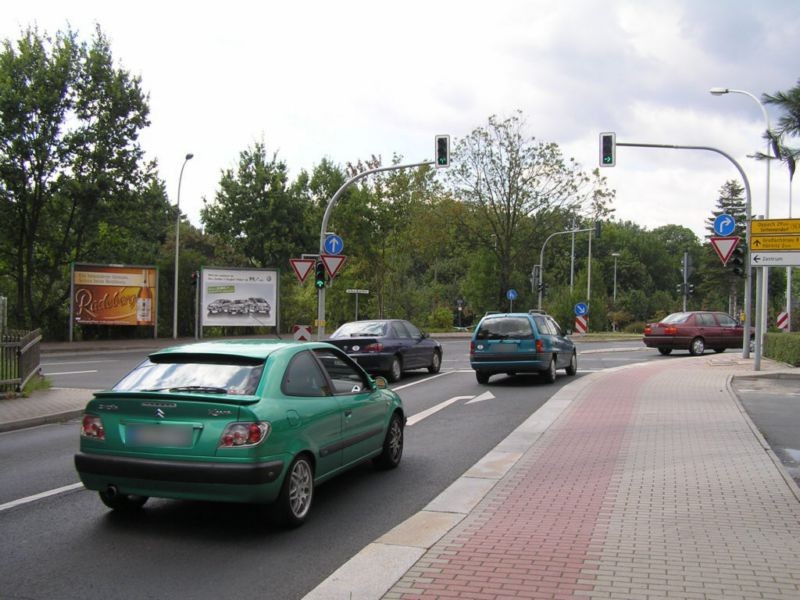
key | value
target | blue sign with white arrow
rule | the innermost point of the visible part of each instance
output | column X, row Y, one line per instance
column 724, row 225
column 581, row 309
column 333, row 244
column 511, row 294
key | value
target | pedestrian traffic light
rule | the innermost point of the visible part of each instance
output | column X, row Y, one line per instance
column 679, row 288
column 319, row 275
column 442, row 151
column 597, row 225
column 194, row 278
column 608, row 149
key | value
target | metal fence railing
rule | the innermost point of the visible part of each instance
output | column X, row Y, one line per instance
column 19, row 358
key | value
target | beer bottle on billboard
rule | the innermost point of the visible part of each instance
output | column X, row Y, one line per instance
column 144, row 302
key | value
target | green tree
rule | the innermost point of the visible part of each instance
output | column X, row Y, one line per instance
column 72, row 183
column 257, row 213
column 521, row 190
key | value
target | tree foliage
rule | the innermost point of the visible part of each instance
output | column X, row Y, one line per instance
column 73, row 186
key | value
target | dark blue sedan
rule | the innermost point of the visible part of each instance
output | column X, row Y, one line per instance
column 388, row 346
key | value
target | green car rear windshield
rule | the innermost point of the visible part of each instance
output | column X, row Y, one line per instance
column 203, row 374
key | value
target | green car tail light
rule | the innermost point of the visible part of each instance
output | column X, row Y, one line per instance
column 92, row 427
column 244, row 435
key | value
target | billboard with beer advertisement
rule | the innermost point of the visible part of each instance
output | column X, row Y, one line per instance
column 114, row 295
column 243, row 297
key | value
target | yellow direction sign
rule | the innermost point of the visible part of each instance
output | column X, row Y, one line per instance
column 775, row 226
column 762, row 243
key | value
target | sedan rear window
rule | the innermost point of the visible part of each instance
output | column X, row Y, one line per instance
column 677, row 318
column 364, row 329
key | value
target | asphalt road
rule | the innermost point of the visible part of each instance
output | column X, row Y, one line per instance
column 68, row 545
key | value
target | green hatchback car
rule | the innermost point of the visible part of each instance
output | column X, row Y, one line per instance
column 237, row 421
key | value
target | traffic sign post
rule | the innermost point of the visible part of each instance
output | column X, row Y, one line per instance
column 302, row 267
column 357, row 293
column 511, row 295
column 333, row 244
column 724, row 247
column 581, row 324
column 724, row 225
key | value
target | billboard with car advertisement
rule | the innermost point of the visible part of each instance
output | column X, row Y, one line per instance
column 242, row 297
column 113, row 295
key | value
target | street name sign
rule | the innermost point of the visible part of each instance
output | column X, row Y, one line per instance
column 775, row 226
column 761, row 243
column 775, row 259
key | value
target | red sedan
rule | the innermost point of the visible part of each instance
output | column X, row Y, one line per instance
column 694, row 331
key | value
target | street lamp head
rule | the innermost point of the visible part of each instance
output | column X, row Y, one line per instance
column 718, row 91
column 189, row 156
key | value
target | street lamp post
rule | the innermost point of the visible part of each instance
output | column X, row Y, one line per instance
column 177, row 248
column 763, row 271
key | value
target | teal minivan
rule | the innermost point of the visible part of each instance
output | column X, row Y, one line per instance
column 514, row 343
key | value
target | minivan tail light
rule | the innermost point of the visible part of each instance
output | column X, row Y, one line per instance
column 472, row 347
column 539, row 346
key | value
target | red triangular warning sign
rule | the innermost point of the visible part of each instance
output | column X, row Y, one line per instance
column 724, row 247
column 302, row 267
column 332, row 262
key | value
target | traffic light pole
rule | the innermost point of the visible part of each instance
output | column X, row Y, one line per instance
column 541, row 259
column 326, row 218
column 748, row 292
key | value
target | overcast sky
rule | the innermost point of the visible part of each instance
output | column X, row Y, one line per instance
column 348, row 79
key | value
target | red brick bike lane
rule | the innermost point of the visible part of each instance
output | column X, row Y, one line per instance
column 539, row 532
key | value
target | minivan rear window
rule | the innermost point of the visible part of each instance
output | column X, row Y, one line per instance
column 518, row 328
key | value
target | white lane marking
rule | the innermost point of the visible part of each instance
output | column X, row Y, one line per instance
column 35, row 497
column 70, row 372
column 402, row 387
column 434, row 409
column 77, row 362
column 482, row 397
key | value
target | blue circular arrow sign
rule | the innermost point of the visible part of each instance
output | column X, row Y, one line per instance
column 511, row 294
column 333, row 244
column 724, row 225
column 581, row 309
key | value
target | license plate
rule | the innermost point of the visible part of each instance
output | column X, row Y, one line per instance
column 174, row 436
column 505, row 348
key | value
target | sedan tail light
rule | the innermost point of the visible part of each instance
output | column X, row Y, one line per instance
column 374, row 347
column 648, row 330
column 670, row 330
column 92, row 427
column 243, row 435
